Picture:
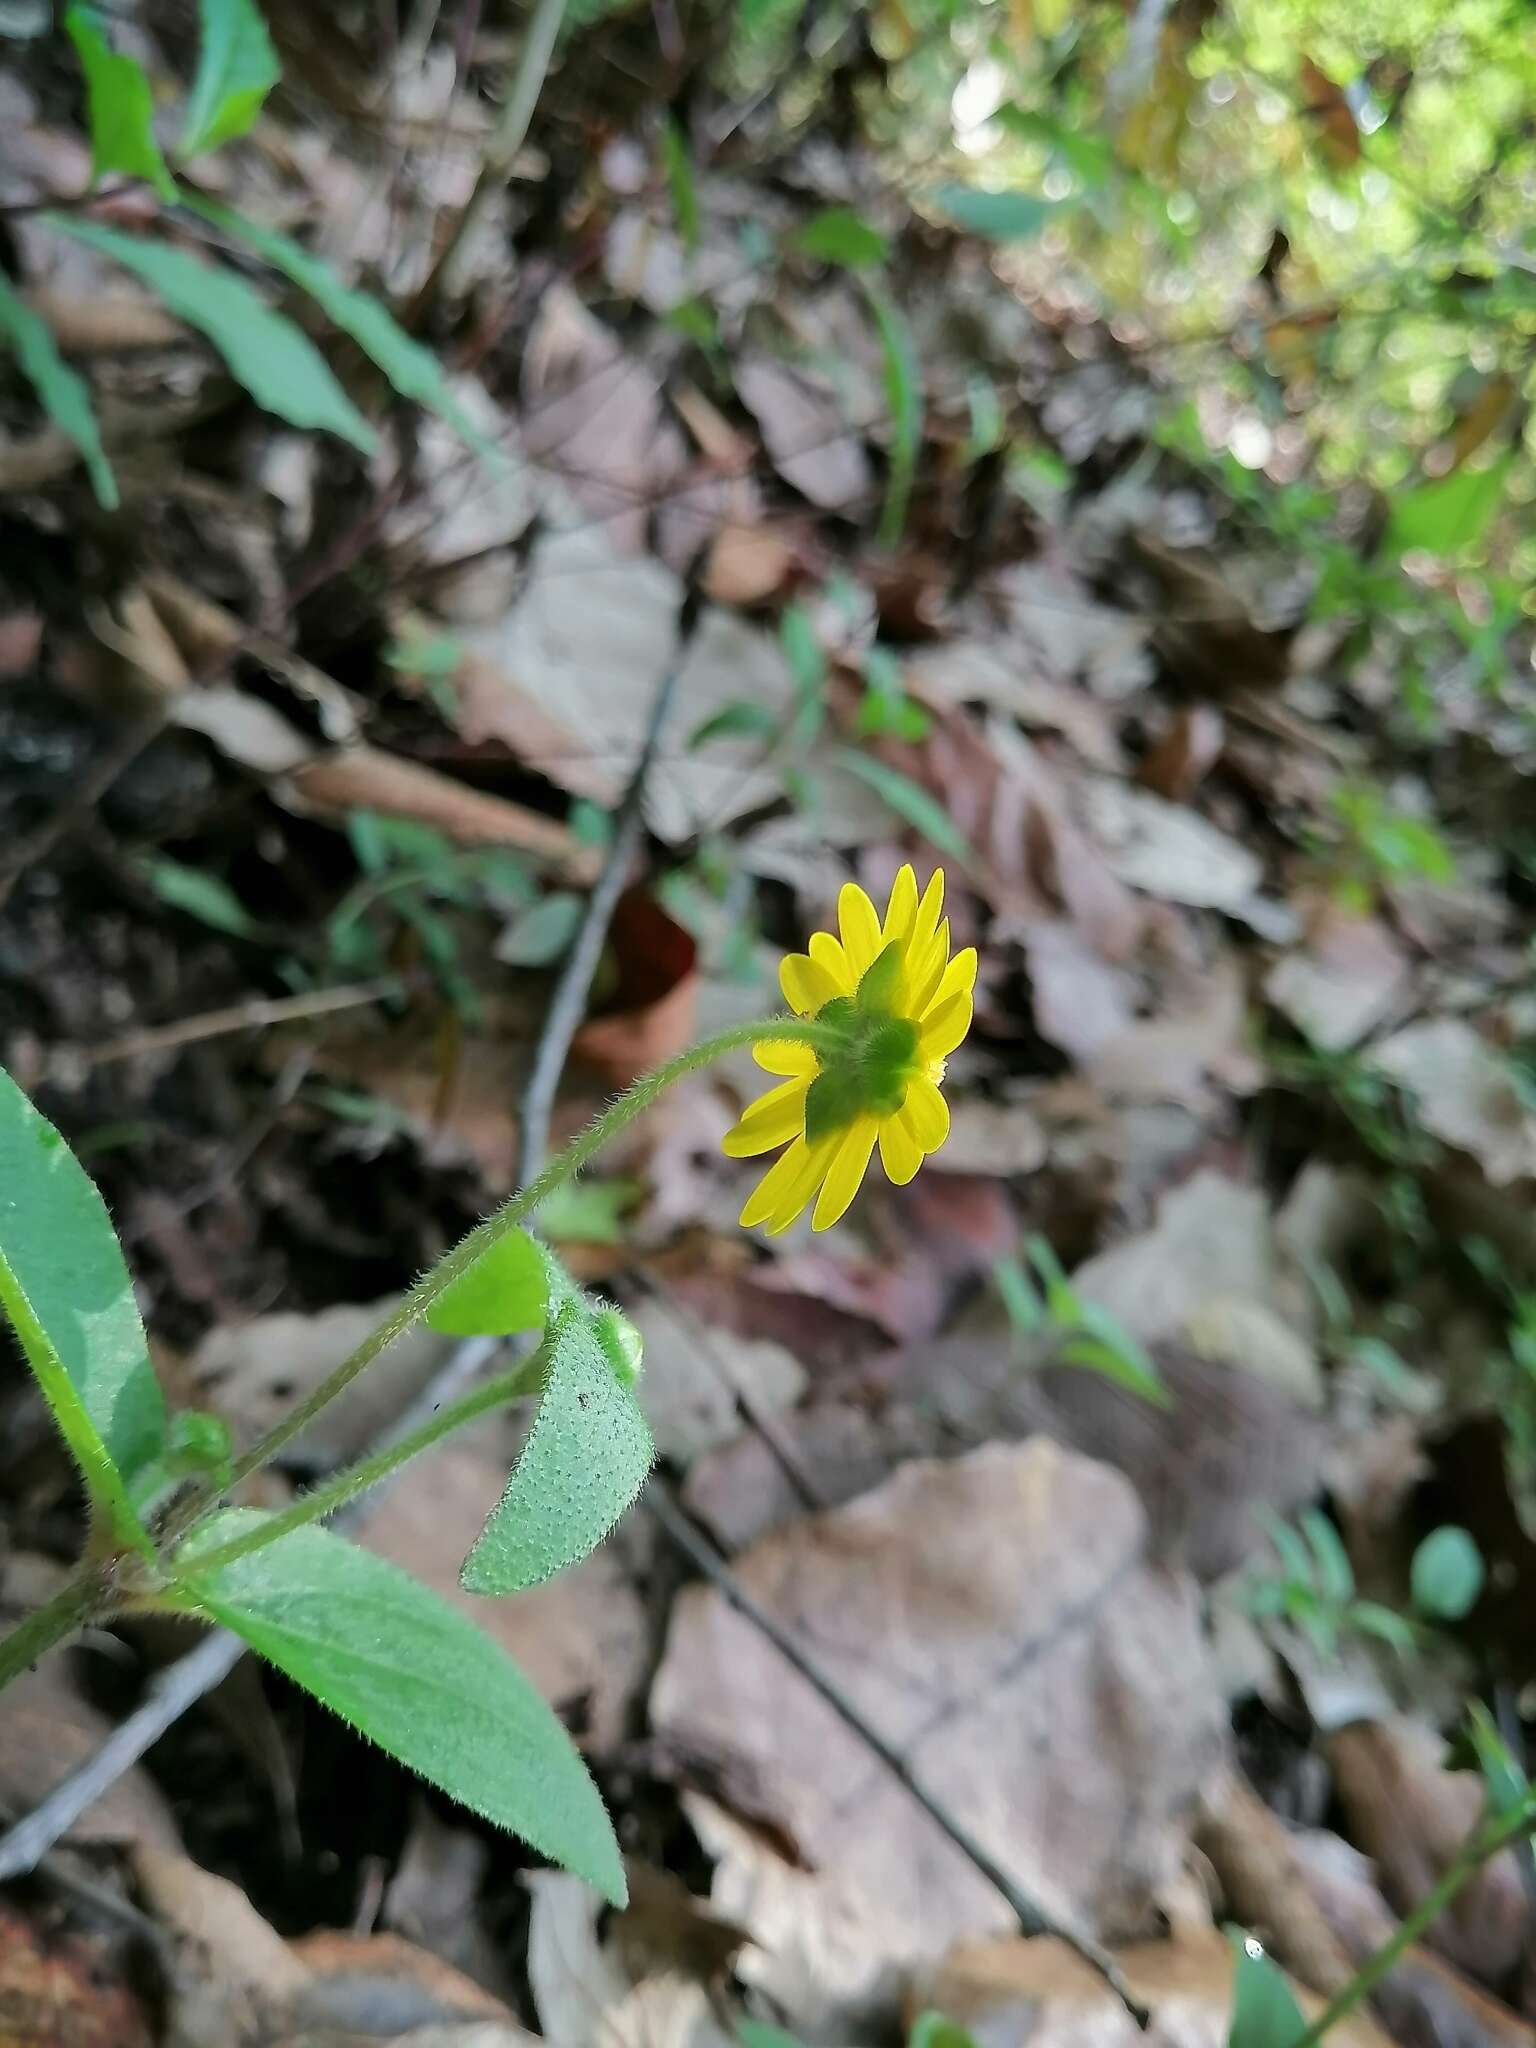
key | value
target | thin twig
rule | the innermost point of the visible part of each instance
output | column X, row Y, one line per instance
column 502, row 150
column 259, row 1013
column 1032, row 1918
column 97, row 779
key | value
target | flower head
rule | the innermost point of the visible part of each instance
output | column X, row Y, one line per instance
column 894, row 1006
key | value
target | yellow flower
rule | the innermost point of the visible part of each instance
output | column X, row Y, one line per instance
column 895, row 1006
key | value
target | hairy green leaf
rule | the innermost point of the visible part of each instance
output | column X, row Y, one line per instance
column 119, row 106
column 838, row 235
column 585, row 1460
column 67, row 1294
column 414, row 1676
column 236, row 68
column 506, row 1289
column 1264, row 2009
column 413, row 370
column 1447, row 1574
column 996, row 216
column 909, row 800
column 279, row 366
column 64, row 396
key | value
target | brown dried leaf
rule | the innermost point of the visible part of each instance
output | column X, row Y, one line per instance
column 807, row 440
column 994, row 1617
column 1348, row 978
column 46, row 1730
column 1464, row 1094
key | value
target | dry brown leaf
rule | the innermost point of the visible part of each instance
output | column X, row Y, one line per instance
column 804, row 431
column 1082, row 1003
column 1168, row 851
column 992, row 1138
column 1411, row 1816
column 1185, row 755
column 1040, row 1992
column 747, row 564
column 46, row 1730
column 1347, row 979
column 101, row 325
column 696, row 1379
column 1212, row 1236
column 380, row 1985
column 581, row 1638
column 584, row 1992
column 1464, row 1094
column 1007, row 679
column 1198, row 1036
column 994, row 1617
column 235, row 1946
column 63, row 1992
column 252, row 1373
column 648, row 1014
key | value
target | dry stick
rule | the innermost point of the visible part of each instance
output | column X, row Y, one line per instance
column 259, row 1013
column 501, row 152
column 1032, row 1918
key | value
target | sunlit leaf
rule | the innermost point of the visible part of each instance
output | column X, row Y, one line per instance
column 1450, row 513
column 119, row 105
column 506, row 1289
column 838, row 235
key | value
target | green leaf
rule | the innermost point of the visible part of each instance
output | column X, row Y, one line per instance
column 933, row 2030
column 541, row 934
column 65, row 397
column 996, row 216
column 904, row 397
column 1264, row 2009
column 66, row 1291
column 1448, row 514
column 838, row 235
column 803, row 651
column 200, row 895
column 1335, row 1574
column 1020, row 1297
column 1447, row 1574
column 414, row 1676
column 119, row 105
column 1109, row 1348
column 506, row 1289
column 587, row 1211
column 759, row 2034
column 1295, row 1559
column 1386, row 1624
column 736, row 721
column 585, row 1460
column 413, row 370
column 909, row 800
column 1505, row 1783
column 685, row 197
column 280, row 367
column 236, row 68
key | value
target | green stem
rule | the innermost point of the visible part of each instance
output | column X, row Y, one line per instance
column 69, row 1609
column 1483, row 1842
column 634, row 1102
column 323, row 1501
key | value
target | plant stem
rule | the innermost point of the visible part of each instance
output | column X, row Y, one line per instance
column 634, row 1102
column 78, row 1598
column 1484, row 1841
column 322, row 1501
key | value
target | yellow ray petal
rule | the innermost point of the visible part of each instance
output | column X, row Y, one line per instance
column 770, row 1190
column 924, row 1116
column 807, row 987
column 943, row 1028
column 900, row 1153
column 902, row 907
column 773, row 1119
column 828, row 954
column 928, row 972
column 784, row 1056
column 926, row 922
column 958, row 979
column 845, row 1172
column 859, row 925
column 801, row 1191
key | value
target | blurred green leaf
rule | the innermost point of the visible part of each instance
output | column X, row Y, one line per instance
column 933, row 2030
column 414, row 1676
column 201, row 895
column 838, row 235
column 1335, row 1578
column 1264, row 2009
column 66, row 1293
column 413, row 370
column 1447, row 1574
column 63, row 396
column 904, row 398
column 236, row 68
column 1385, row 1623
column 543, row 933
column 1504, row 1780
column 909, row 800
column 736, row 721
column 997, row 216
column 588, row 1211
column 1448, row 514
column 685, row 198
column 279, row 366
column 1020, row 1297
column 119, row 104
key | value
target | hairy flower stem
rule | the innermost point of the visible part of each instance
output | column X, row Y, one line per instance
column 634, row 1102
